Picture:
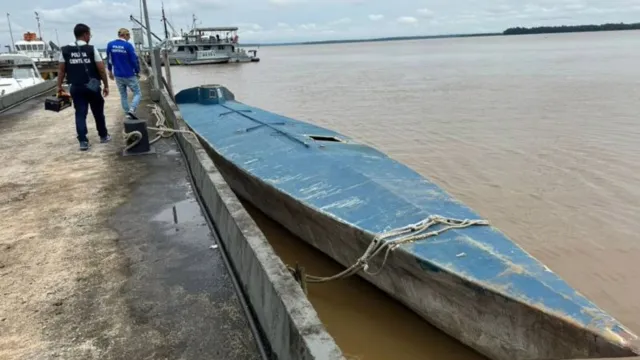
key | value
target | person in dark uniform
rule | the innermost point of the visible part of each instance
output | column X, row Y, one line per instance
column 82, row 64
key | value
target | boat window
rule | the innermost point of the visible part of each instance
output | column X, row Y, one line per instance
column 325, row 138
column 40, row 47
column 23, row 73
column 220, row 47
column 180, row 48
column 213, row 93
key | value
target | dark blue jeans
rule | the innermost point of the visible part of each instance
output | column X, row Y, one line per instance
column 83, row 99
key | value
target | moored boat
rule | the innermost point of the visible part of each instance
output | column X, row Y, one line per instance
column 17, row 72
column 211, row 45
column 402, row 233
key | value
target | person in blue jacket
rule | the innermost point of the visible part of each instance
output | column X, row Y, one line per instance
column 122, row 63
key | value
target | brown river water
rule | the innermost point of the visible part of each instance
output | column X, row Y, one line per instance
column 539, row 134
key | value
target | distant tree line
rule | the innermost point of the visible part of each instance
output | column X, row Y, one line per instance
column 570, row 28
column 396, row 38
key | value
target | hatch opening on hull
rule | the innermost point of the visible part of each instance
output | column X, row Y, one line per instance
column 325, row 138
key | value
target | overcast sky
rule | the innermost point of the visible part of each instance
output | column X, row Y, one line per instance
column 295, row 20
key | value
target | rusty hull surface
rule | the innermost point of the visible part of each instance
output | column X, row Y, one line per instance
column 106, row 257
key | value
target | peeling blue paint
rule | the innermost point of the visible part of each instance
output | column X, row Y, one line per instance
column 363, row 187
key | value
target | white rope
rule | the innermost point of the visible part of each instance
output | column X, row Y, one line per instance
column 161, row 129
column 391, row 240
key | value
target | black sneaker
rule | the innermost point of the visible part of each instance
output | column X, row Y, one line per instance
column 105, row 139
column 131, row 115
column 84, row 145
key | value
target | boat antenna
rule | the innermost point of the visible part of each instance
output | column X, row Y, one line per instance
column 57, row 38
column 38, row 20
column 13, row 43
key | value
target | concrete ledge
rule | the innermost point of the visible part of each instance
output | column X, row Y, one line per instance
column 624, row 358
column 290, row 322
column 9, row 100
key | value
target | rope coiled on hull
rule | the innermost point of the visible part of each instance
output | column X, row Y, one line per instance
column 390, row 241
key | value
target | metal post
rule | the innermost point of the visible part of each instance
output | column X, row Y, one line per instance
column 157, row 62
column 153, row 59
column 167, row 67
column 13, row 43
column 141, row 16
column 58, row 39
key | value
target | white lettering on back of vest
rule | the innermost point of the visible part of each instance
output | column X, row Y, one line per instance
column 119, row 49
column 78, row 57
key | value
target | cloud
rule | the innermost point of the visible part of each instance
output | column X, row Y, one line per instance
column 309, row 26
column 248, row 26
column 407, row 20
column 425, row 12
column 94, row 11
column 302, row 20
column 285, row 2
column 342, row 21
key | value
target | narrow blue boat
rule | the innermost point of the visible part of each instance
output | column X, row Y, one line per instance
column 402, row 233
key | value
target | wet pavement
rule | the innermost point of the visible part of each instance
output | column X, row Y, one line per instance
column 104, row 256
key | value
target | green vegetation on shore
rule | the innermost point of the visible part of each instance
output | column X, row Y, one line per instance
column 570, row 28
column 395, row 38
column 509, row 31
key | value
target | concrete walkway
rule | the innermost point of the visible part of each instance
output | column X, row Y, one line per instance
column 106, row 257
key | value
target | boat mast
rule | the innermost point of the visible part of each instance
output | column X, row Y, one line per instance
column 164, row 20
column 38, row 20
column 13, row 43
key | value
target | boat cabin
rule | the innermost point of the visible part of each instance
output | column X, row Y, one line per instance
column 210, row 38
column 34, row 47
column 17, row 71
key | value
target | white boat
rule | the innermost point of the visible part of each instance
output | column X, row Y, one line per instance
column 207, row 57
column 211, row 45
column 36, row 48
column 17, row 72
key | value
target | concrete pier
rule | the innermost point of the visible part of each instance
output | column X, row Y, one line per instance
column 107, row 257
column 290, row 323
